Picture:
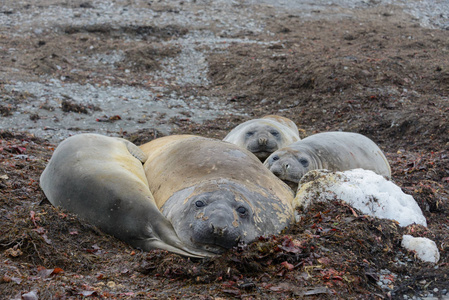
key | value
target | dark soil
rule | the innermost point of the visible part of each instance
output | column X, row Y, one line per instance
column 377, row 76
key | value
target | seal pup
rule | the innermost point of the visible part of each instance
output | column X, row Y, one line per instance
column 102, row 180
column 334, row 151
column 265, row 135
column 215, row 194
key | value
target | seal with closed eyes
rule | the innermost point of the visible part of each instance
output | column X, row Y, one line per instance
column 265, row 135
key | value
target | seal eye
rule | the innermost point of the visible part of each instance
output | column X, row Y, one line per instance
column 274, row 133
column 241, row 210
column 304, row 162
column 200, row 203
column 275, row 158
column 250, row 133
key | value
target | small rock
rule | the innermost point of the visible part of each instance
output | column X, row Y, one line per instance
column 30, row 296
column 425, row 249
column 349, row 37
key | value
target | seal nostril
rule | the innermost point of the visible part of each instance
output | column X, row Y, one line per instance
column 287, row 166
column 220, row 231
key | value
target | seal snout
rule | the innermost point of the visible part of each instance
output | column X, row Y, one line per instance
column 263, row 140
column 220, row 225
column 277, row 167
column 220, row 233
column 277, row 171
column 218, row 230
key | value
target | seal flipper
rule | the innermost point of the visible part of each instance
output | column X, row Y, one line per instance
column 135, row 151
column 163, row 236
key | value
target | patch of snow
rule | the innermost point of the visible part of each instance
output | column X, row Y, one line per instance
column 362, row 189
column 425, row 249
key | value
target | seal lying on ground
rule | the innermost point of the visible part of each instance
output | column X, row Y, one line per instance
column 103, row 181
column 214, row 193
column 334, row 151
column 264, row 136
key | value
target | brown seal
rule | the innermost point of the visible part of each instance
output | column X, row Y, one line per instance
column 215, row 194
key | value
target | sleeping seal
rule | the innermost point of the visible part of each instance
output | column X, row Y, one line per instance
column 334, row 151
column 264, row 136
column 103, row 181
column 215, row 194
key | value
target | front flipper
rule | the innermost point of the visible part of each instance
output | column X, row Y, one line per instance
column 135, row 151
column 163, row 236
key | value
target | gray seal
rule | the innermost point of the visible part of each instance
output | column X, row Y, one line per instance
column 215, row 194
column 265, row 135
column 102, row 180
column 334, row 151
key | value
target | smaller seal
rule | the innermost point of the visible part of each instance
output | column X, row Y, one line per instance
column 265, row 135
column 334, row 151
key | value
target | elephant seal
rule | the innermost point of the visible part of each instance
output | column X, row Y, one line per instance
column 215, row 194
column 102, row 180
column 264, row 136
column 334, row 151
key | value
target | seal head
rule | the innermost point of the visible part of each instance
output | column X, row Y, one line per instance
column 264, row 136
column 289, row 165
column 262, row 140
column 219, row 215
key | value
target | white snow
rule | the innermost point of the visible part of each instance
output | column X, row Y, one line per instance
column 425, row 249
column 373, row 195
column 362, row 189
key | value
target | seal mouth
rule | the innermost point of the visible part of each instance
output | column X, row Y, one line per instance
column 215, row 247
column 262, row 154
column 293, row 185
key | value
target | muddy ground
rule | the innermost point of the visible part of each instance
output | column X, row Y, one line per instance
column 203, row 67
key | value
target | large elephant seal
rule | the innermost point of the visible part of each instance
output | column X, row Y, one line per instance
column 334, row 151
column 265, row 135
column 215, row 194
column 103, row 181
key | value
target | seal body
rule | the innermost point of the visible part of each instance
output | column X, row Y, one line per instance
column 103, row 181
column 334, row 151
column 215, row 194
column 265, row 135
